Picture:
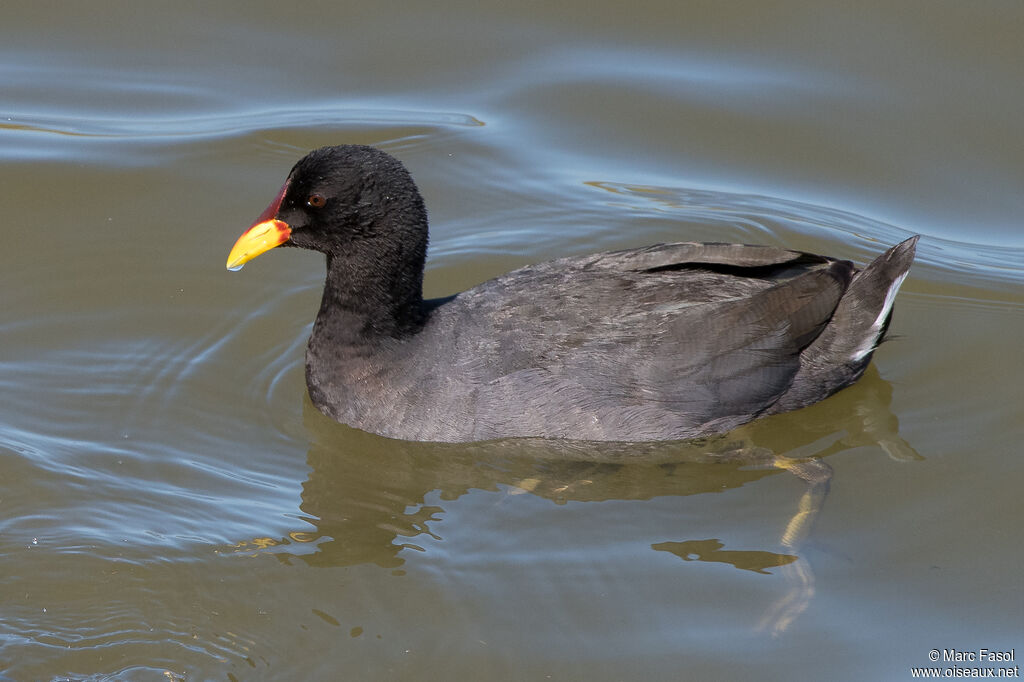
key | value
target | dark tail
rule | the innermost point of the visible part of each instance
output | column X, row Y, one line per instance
column 843, row 350
column 863, row 314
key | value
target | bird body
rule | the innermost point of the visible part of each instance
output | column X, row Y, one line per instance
column 665, row 342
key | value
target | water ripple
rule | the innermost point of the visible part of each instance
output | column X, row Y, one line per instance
column 229, row 124
column 202, row 484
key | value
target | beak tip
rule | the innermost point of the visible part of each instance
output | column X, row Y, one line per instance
column 236, row 260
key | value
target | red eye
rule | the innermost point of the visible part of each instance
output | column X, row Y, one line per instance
column 316, row 200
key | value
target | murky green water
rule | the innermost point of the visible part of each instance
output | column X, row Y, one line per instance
column 173, row 507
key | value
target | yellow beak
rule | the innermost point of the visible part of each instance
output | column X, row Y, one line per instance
column 257, row 239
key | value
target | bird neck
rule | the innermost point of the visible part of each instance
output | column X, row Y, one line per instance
column 368, row 301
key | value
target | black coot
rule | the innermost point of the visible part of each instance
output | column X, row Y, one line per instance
column 670, row 341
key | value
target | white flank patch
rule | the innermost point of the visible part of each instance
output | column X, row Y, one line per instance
column 871, row 341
